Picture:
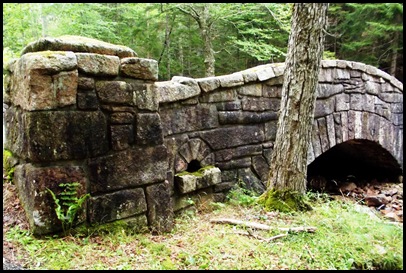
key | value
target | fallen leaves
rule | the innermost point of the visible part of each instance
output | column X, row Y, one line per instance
column 387, row 198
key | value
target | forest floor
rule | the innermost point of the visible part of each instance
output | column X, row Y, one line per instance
column 387, row 198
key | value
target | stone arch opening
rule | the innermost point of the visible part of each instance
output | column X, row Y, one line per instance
column 359, row 160
column 193, row 166
column 193, row 155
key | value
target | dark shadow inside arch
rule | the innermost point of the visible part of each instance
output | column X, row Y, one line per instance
column 193, row 166
column 358, row 160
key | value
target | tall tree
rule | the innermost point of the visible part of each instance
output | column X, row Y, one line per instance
column 288, row 168
column 201, row 14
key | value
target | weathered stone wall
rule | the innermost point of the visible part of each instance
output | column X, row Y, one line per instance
column 94, row 113
column 234, row 118
column 87, row 116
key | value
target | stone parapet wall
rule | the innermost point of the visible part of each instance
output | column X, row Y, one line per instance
column 375, row 81
column 94, row 113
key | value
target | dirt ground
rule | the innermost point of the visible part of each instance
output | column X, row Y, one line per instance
column 13, row 215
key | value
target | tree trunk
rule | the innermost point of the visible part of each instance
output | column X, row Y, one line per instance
column 204, row 20
column 168, row 47
column 395, row 46
column 288, row 166
column 181, row 57
column 393, row 65
column 44, row 22
column 209, row 59
column 205, row 32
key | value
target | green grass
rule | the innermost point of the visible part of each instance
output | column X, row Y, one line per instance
column 345, row 239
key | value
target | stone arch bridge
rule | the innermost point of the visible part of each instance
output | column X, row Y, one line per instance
column 87, row 111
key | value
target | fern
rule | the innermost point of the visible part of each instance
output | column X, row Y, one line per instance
column 68, row 204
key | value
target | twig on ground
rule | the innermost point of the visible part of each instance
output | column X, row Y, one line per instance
column 262, row 238
column 310, row 253
column 261, row 226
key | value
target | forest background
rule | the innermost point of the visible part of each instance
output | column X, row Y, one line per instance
column 186, row 38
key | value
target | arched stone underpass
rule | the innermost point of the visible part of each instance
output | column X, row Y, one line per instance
column 360, row 161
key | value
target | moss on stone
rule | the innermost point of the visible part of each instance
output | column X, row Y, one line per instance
column 198, row 173
column 6, row 155
column 284, row 201
column 9, row 163
column 130, row 225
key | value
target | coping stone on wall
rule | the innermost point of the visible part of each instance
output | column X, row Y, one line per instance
column 97, row 64
column 79, row 44
column 170, row 91
column 139, row 68
column 208, row 84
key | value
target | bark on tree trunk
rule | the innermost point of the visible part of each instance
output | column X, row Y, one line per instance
column 204, row 21
column 209, row 59
column 393, row 66
column 44, row 22
column 305, row 49
column 168, row 45
column 205, row 32
column 181, row 58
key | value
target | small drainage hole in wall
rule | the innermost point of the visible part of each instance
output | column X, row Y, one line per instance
column 193, row 166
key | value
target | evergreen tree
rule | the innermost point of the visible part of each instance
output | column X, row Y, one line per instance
column 368, row 33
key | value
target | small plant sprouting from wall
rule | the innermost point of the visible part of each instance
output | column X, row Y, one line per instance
column 68, row 204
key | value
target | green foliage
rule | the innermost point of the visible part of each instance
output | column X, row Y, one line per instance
column 10, row 174
column 190, row 201
column 243, row 34
column 8, row 55
column 68, row 204
column 328, row 55
column 20, row 25
column 6, row 156
column 370, row 33
column 218, row 205
column 318, row 196
column 262, row 30
column 241, row 196
column 91, row 20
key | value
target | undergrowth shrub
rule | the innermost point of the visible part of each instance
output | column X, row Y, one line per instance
column 241, row 196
